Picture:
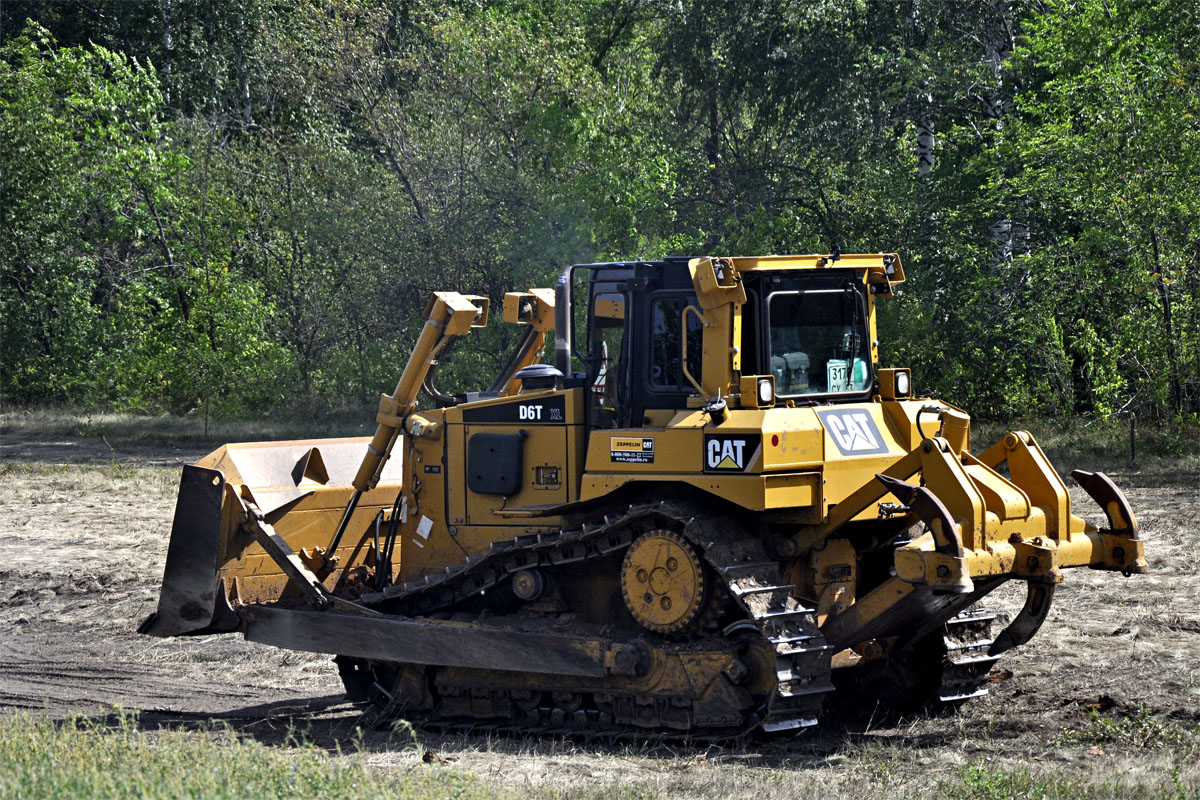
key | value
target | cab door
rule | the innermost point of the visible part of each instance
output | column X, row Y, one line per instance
column 608, row 377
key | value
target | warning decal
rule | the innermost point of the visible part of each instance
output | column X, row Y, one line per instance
column 632, row 450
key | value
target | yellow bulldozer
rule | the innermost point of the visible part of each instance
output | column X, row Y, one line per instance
column 711, row 512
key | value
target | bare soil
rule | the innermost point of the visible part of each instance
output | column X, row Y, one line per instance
column 83, row 537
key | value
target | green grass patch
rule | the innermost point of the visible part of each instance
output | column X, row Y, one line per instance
column 74, row 476
column 1138, row 728
column 114, row 758
column 980, row 783
column 985, row 783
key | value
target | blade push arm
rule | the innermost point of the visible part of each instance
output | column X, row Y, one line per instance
column 535, row 310
column 448, row 314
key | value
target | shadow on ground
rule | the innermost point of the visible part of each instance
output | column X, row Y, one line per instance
column 332, row 724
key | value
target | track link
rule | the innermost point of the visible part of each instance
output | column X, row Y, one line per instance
column 802, row 658
column 965, row 671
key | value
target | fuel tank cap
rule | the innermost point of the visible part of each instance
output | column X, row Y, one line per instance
column 538, row 376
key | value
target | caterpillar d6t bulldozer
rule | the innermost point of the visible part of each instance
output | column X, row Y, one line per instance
column 710, row 511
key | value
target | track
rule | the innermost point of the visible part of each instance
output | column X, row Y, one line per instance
column 772, row 617
column 967, row 664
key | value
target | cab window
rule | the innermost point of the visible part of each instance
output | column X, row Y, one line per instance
column 666, row 345
column 606, row 354
column 819, row 342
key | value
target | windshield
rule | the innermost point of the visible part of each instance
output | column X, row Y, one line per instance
column 819, row 342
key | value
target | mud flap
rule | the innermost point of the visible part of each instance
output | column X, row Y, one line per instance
column 1026, row 624
column 191, row 600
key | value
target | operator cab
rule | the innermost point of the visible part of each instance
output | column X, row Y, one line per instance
column 813, row 335
column 641, row 350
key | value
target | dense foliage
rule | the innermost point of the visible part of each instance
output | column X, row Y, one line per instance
column 246, row 203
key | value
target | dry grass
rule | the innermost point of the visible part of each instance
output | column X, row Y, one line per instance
column 126, row 428
column 969, row 762
column 1104, row 702
column 113, row 757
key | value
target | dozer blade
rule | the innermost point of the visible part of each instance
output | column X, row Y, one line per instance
column 191, row 600
column 442, row 642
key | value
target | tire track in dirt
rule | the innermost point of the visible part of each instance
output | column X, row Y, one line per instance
column 73, row 673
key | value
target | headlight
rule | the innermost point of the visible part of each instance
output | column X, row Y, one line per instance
column 766, row 393
column 902, row 383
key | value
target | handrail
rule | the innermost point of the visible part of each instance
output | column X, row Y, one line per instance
column 684, row 336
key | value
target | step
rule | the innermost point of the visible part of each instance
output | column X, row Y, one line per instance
column 778, row 640
column 981, row 644
column 784, row 675
column 971, row 660
column 782, row 616
column 787, row 652
column 975, row 616
column 747, row 567
column 807, row 690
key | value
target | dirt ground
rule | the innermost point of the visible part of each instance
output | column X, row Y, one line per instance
column 83, row 538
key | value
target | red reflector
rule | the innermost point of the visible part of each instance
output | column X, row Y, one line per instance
column 775, row 440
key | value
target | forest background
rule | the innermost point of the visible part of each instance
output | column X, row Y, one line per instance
column 241, row 206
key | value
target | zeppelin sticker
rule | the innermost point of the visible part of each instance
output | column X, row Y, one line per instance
column 631, row 450
column 853, row 431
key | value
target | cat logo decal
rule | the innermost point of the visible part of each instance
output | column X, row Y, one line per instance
column 731, row 452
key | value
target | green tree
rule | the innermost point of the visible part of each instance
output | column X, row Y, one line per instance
column 80, row 144
column 117, row 267
column 1107, row 148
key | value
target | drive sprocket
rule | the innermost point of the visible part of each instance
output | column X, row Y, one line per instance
column 664, row 584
